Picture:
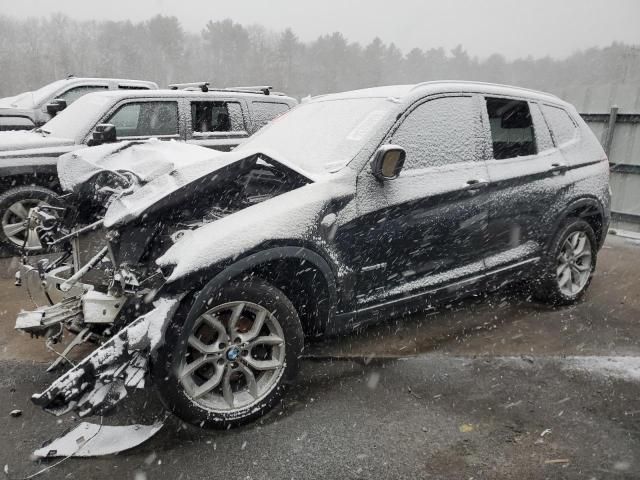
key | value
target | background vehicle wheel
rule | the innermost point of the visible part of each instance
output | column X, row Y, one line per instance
column 15, row 205
column 226, row 361
column 569, row 264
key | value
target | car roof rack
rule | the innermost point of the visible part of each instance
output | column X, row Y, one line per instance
column 202, row 86
column 264, row 89
column 205, row 87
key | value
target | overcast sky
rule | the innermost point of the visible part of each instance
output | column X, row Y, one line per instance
column 510, row 27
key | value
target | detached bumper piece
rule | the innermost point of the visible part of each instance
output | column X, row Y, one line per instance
column 37, row 322
column 100, row 381
column 92, row 440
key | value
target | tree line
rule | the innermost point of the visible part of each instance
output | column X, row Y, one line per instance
column 35, row 51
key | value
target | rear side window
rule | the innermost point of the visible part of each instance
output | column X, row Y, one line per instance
column 439, row 132
column 264, row 112
column 511, row 128
column 212, row 117
column 562, row 127
column 75, row 93
column 146, row 119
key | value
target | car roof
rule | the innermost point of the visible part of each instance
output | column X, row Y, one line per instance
column 412, row 92
column 161, row 93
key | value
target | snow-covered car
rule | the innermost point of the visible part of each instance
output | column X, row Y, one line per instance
column 215, row 118
column 29, row 110
column 202, row 277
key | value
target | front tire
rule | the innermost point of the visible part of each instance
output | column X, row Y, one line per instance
column 569, row 264
column 15, row 205
column 227, row 360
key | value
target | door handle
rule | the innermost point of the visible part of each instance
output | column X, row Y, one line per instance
column 475, row 184
column 558, row 167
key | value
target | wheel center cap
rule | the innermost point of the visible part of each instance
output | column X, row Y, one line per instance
column 233, row 353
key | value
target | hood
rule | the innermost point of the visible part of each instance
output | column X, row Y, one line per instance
column 146, row 159
column 12, row 141
column 22, row 100
column 165, row 170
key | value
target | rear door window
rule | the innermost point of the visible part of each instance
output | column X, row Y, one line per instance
column 264, row 112
column 217, row 117
column 563, row 128
column 146, row 119
column 512, row 133
column 440, row 132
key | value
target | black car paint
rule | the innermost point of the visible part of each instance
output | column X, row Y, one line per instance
column 394, row 233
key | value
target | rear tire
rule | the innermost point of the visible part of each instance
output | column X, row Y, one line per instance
column 568, row 265
column 15, row 205
column 247, row 338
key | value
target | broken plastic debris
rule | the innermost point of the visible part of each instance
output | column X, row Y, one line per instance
column 466, row 428
column 92, row 440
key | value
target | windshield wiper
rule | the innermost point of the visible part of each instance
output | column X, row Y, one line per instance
column 43, row 131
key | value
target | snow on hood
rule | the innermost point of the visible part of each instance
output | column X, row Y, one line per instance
column 25, row 140
column 147, row 160
column 22, row 100
column 129, row 207
column 293, row 215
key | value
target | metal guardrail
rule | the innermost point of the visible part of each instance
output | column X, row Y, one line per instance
column 626, row 191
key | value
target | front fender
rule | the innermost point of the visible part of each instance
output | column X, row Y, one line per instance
column 219, row 275
column 304, row 215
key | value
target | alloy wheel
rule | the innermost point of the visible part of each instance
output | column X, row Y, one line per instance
column 15, row 221
column 574, row 264
column 235, row 356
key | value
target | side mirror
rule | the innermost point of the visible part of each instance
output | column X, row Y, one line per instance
column 103, row 133
column 56, row 105
column 387, row 162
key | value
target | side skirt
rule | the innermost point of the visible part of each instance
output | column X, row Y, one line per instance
column 496, row 278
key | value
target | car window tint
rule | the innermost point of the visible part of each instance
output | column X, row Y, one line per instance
column 75, row 93
column 209, row 117
column 146, row 119
column 264, row 112
column 511, row 128
column 439, row 132
column 562, row 127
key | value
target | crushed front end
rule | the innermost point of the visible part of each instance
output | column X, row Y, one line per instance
column 99, row 282
column 85, row 294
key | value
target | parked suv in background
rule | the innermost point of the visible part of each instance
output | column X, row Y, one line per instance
column 33, row 109
column 350, row 208
column 218, row 119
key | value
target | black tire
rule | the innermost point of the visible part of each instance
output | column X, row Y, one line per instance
column 166, row 364
column 546, row 288
column 30, row 194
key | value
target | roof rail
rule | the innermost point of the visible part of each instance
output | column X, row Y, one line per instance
column 471, row 82
column 202, row 86
column 205, row 87
column 265, row 89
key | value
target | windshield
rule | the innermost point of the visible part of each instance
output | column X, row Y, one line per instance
column 323, row 135
column 45, row 93
column 32, row 99
column 73, row 120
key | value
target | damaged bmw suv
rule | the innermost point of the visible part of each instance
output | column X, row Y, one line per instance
column 202, row 275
